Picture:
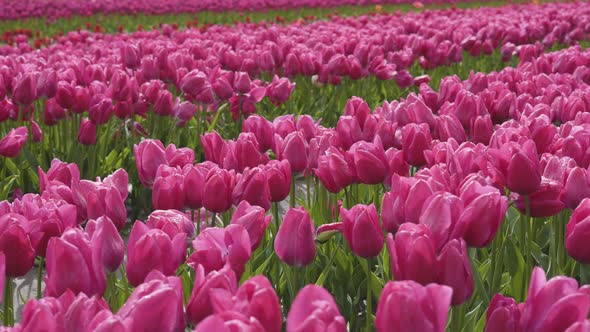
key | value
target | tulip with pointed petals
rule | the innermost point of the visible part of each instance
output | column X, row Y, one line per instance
column 408, row 306
column 314, row 309
column 222, row 183
column 106, row 242
column 200, row 304
column 294, row 242
column 412, row 254
column 149, row 155
column 172, row 222
column 13, row 142
column 362, row 230
column 254, row 219
column 454, row 270
column 16, row 245
column 278, row 176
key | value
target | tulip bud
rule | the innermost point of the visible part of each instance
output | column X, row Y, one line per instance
column 409, row 306
column 369, row 161
column 254, row 219
column 294, row 242
column 200, row 304
column 13, row 142
column 149, row 155
column 415, row 139
column 106, row 242
column 362, row 230
column 87, row 133
column 523, row 175
column 294, row 149
column 168, row 191
column 221, row 182
column 216, row 247
column 16, row 245
column 440, row 213
column 314, row 309
column 454, row 270
column 262, row 129
column 213, row 145
column 278, row 176
column 412, row 254
column 577, row 231
column 333, row 170
column 482, row 218
column 172, row 222
column 502, row 315
column 152, row 249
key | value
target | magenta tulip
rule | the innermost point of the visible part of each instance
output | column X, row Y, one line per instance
column 168, row 191
column 252, row 186
column 16, row 245
column 454, row 270
column 294, row 242
column 149, row 155
column 412, row 254
column 503, row 315
column 369, row 161
column 314, row 309
column 172, row 222
column 200, row 304
column 13, row 142
column 87, row 133
column 333, row 170
column 362, row 230
column 106, row 242
column 415, row 139
column 278, row 176
column 293, row 148
column 577, row 232
column 408, row 306
column 254, row 219
column 221, row 182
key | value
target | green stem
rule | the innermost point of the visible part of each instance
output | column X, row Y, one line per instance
column 40, row 277
column 527, row 245
column 369, row 299
column 479, row 285
column 8, row 311
column 275, row 214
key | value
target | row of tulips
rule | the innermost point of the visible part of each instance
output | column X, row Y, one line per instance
column 11, row 10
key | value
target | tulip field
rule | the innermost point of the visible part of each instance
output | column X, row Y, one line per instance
column 308, row 165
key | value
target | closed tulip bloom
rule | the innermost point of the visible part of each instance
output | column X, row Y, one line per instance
column 454, row 270
column 577, row 232
column 242, row 82
column 95, row 200
column 155, row 305
column 284, row 125
column 412, row 254
column 447, row 127
column 152, row 249
column 213, row 145
column 168, row 191
column 247, row 151
column 262, row 129
column 314, row 309
column 24, row 91
column 523, row 175
column 254, row 219
column 369, row 161
column 221, row 182
column 408, row 306
column 37, row 132
column 16, row 245
column 74, row 264
column 362, row 230
column 194, row 180
column 576, row 188
column 87, row 133
column 252, row 186
column 78, row 315
column 215, row 247
column 172, row 222
column 107, row 242
column 278, row 176
column 544, row 202
column 441, row 213
column 294, row 149
column 164, row 103
column 179, row 157
column 149, row 155
column 279, row 90
column 200, row 304
column 415, row 139
column 349, row 131
column 333, row 170
column 481, row 129
column 13, row 142
column 100, row 110
column 503, row 315
column 294, row 242
column 553, row 305
column 482, row 218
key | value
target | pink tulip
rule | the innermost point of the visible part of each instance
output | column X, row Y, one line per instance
column 13, row 142
column 194, row 180
column 155, row 305
column 294, row 242
column 576, row 188
column 362, row 230
column 294, row 149
column 482, row 217
column 415, row 139
column 253, row 219
column 454, row 270
column 441, row 213
column 172, row 222
column 215, row 247
column 252, row 186
column 74, row 263
column 87, row 133
column 412, row 254
column 16, row 245
column 152, row 249
column 333, row 170
column 279, row 90
column 503, row 315
column 59, row 172
column 168, row 191
column 409, row 306
column 149, row 155
column 221, row 182
column 278, row 177
column 314, row 309
column 106, row 242
column 546, row 201
column 200, row 304
column 523, row 174
column 369, row 161
column 577, row 231
column 213, row 146
column 262, row 129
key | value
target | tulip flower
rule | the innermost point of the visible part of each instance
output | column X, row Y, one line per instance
column 254, row 219
column 247, row 151
column 252, row 186
column 454, row 270
column 362, row 230
column 200, row 304
column 415, row 139
column 97, row 199
column 149, row 155
column 333, row 170
column 279, row 90
column 482, row 218
column 24, row 91
column 278, row 176
column 314, row 309
column 412, row 254
column 228, row 320
column 168, row 191
column 16, row 245
column 523, row 174
column 577, row 231
column 441, row 213
column 221, row 182
column 294, row 242
column 503, row 315
column 369, row 161
column 262, row 129
column 105, row 240
column 194, row 180
column 294, row 149
column 546, row 201
column 74, row 263
column 60, row 172
column 172, row 222
column 213, row 146
column 404, row 203
column 155, row 305
column 409, row 306
column 87, row 133
column 13, row 142
column 576, row 188
column 215, row 247
column 152, row 249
